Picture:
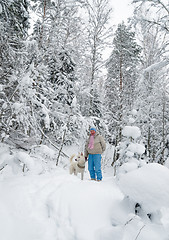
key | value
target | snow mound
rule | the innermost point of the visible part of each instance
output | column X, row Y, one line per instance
column 131, row 131
column 136, row 148
column 148, row 185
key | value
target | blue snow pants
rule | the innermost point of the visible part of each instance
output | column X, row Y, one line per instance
column 94, row 166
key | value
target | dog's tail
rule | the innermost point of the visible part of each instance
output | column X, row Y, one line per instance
column 71, row 158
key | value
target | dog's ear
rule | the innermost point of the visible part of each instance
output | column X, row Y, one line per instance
column 81, row 154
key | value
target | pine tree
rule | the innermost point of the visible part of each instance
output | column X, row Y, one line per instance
column 121, row 82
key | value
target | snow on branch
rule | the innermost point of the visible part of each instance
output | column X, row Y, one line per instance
column 157, row 66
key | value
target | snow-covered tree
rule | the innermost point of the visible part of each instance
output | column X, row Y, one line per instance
column 130, row 150
column 14, row 25
column 13, row 29
column 58, row 33
column 152, row 89
column 122, row 79
column 99, row 35
column 157, row 12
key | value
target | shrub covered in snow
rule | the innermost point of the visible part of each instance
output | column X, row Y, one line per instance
column 39, row 159
column 130, row 150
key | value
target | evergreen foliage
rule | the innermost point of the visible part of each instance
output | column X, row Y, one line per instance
column 14, row 24
column 122, row 79
column 130, row 150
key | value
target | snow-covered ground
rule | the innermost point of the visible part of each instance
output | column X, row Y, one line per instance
column 53, row 205
column 56, row 206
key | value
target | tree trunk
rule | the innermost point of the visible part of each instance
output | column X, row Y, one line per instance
column 162, row 159
column 121, row 99
column 92, row 76
column 63, row 139
column 43, row 19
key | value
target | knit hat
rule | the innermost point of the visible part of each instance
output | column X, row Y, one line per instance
column 94, row 129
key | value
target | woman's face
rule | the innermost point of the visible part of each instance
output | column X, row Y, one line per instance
column 92, row 132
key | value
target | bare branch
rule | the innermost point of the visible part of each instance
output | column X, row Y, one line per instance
column 64, row 154
column 139, row 232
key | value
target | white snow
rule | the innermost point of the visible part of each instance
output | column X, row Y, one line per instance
column 136, row 148
column 130, row 150
column 129, row 166
column 74, row 103
column 4, row 106
column 131, row 131
column 17, row 106
column 148, row 186
column 55, row 205
column 131, row 120
column 1, row 86
column 157, row 66
column 134, row 112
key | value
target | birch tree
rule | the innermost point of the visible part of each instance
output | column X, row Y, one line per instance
column 159, row 12
column 99, row 35
column 152, row 89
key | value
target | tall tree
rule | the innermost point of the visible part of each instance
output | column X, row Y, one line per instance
column 14, row 25
column 121, row 82
column 152, row 95
column 160, row 10
column 99, row 35
column 58, row 32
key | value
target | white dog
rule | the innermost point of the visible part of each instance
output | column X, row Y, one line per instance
column 77, row 164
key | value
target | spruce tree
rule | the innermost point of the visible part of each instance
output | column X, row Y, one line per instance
column 13, row 29
column 121, row 82
column 14, row 24
column 57, row 33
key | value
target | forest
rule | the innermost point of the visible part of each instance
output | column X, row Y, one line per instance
column 76, row 70
column 65, row 66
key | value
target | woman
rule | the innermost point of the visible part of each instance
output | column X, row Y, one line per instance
column 94, row 147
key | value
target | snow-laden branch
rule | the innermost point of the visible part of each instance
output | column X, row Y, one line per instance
column 157, row 66
column 52, row 142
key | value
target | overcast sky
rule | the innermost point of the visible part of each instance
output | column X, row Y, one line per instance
column 122, row 9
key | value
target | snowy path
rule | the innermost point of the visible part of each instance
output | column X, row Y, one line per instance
column 56, row 206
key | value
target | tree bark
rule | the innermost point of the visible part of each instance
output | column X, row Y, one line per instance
column 43, row 19
column 63, row 139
